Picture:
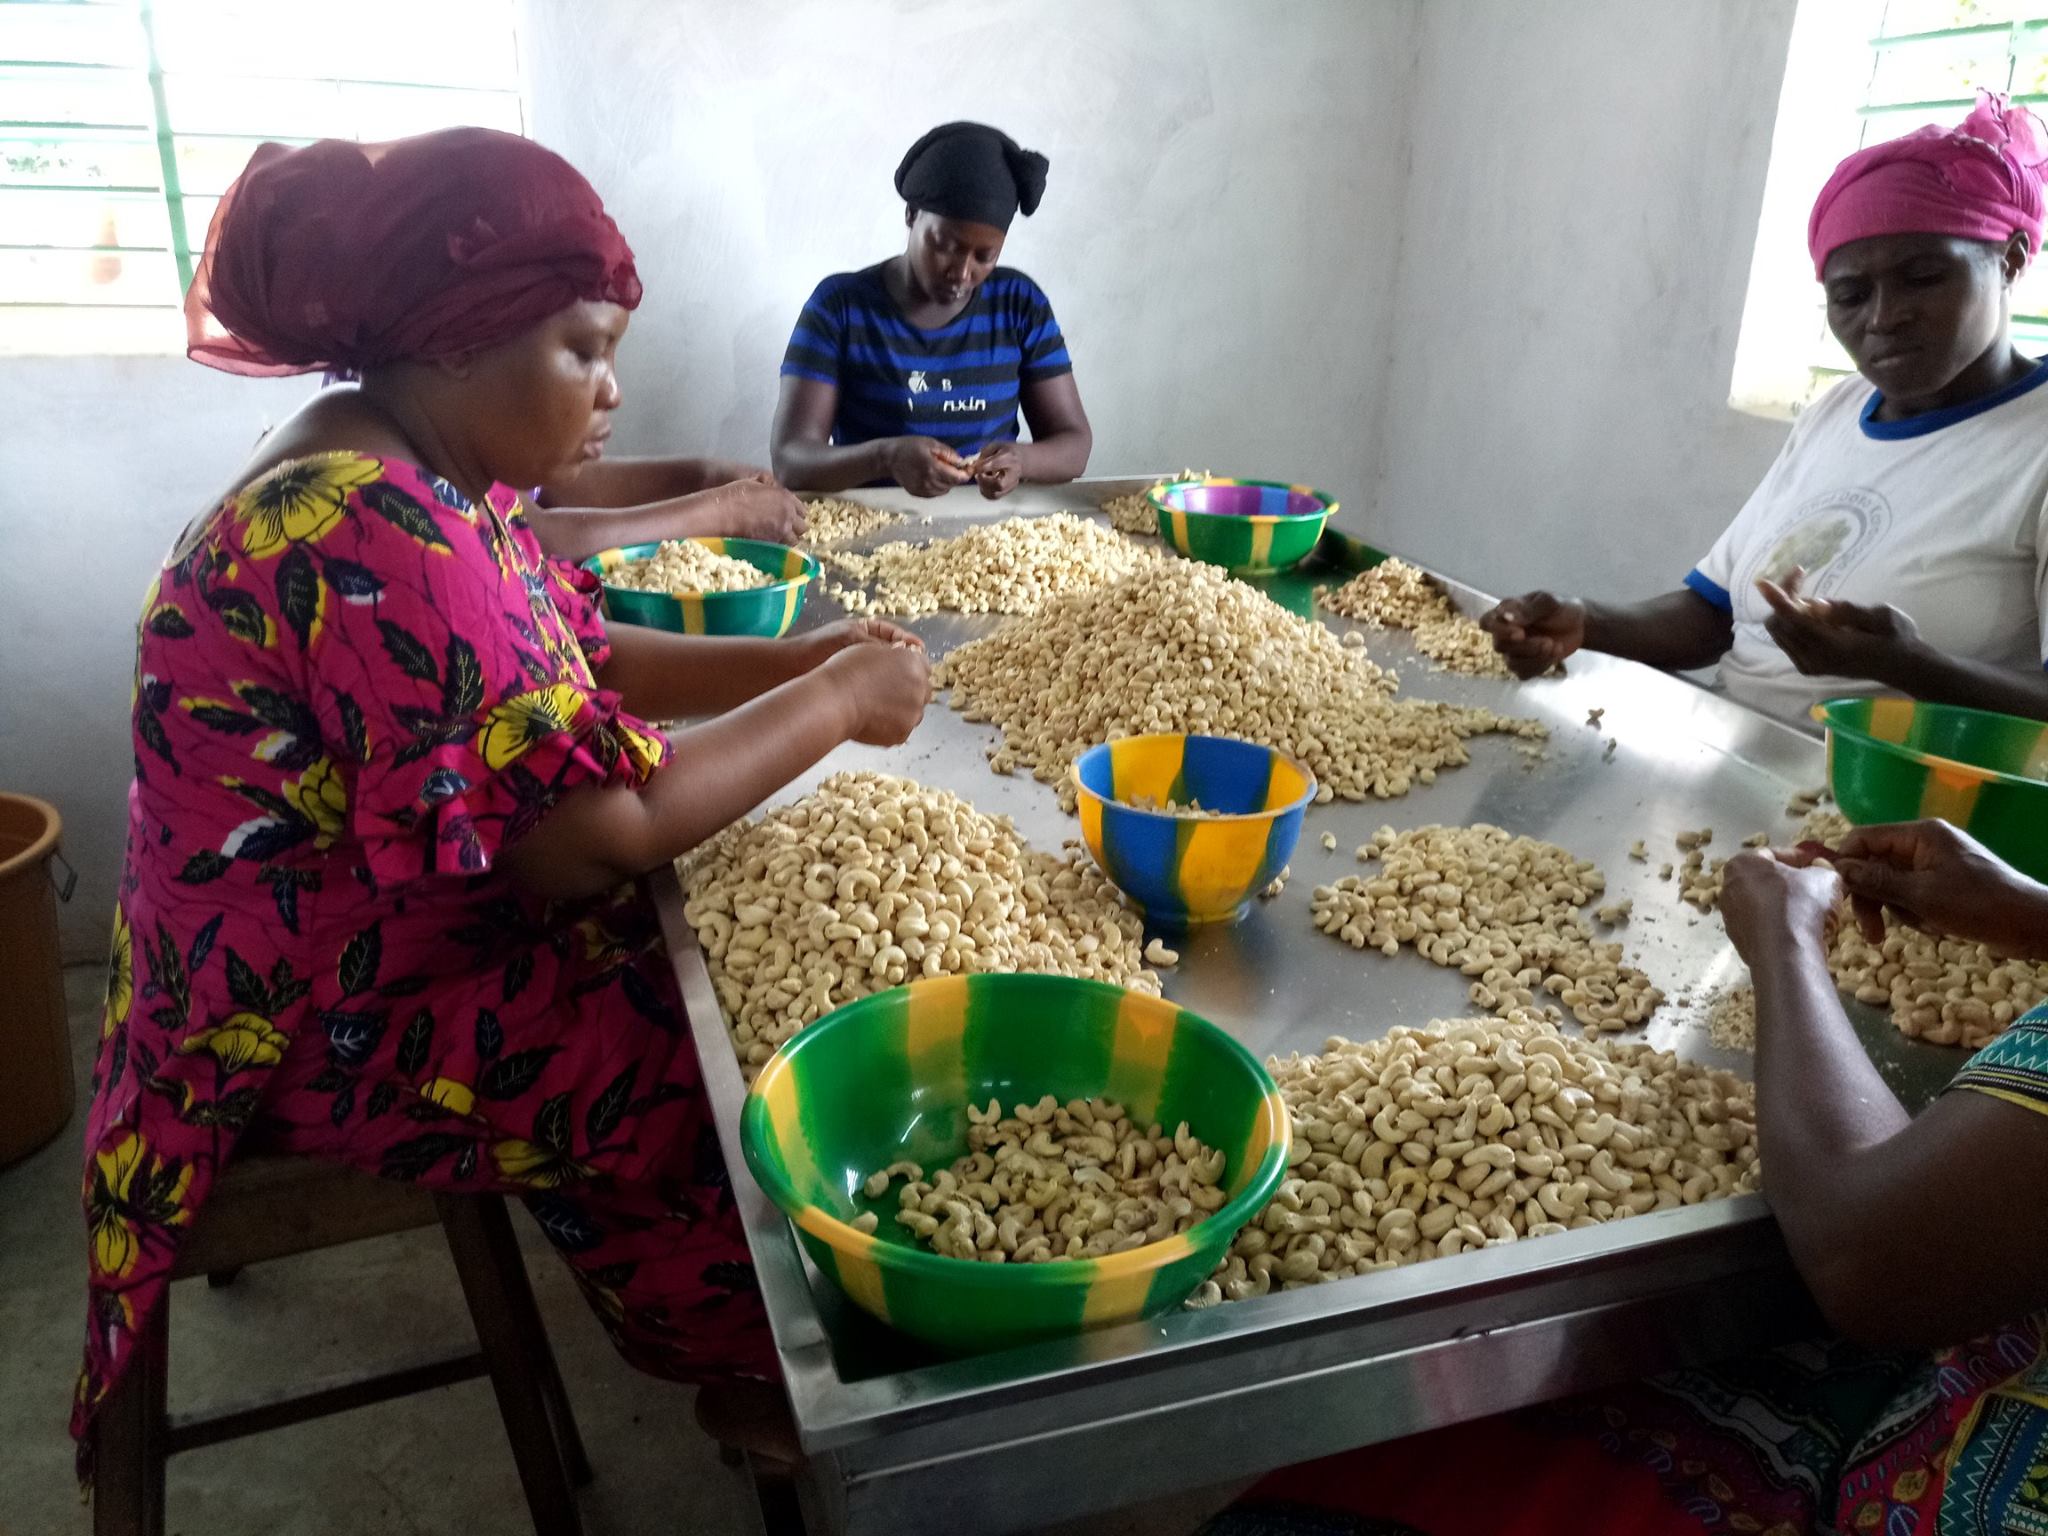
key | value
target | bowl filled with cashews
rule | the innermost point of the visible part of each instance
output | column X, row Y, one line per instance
column 982, row 1161
column 1190, row 828
column 1249, row 527
column 706, row 586
column 1896, row 759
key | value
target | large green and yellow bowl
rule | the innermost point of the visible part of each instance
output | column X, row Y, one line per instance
column 1250, row 527
column 891, row 1076
column 1180, row 867
column 1893, row 759
column 768, row 610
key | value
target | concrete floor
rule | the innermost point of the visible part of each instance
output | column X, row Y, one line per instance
column 422, row 1465
column 435, row 1464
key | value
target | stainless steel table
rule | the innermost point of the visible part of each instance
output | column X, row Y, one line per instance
column 900, row 1440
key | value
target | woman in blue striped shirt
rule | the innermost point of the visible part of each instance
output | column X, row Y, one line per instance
column 913, row 371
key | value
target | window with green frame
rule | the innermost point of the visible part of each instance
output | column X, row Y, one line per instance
column 123, row 121
column 1860, row 72
column 1927, row 62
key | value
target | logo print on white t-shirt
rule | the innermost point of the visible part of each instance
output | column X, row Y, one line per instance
column 1827, row 536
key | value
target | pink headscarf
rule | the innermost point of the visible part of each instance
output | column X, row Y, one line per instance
column 1981, row 181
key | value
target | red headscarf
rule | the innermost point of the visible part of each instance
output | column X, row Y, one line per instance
column 1981, row 181
column 344, row 256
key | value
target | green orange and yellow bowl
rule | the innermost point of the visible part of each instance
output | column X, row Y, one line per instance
column 891, row 1077
column 1892, row 759
column 1249, row 527
column 1184, row 867
column 766, row 610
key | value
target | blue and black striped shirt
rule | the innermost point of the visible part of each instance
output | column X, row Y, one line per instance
column 958, row 383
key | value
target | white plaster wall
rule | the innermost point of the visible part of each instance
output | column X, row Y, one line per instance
column 1475, row 265
column 1217, row 237
column 1575, row 246
column 1225, row 176
column 103, row 460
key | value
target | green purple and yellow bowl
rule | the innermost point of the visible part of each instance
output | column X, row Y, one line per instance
column 1184, row 867
column 1892, row 759
column 891, row 1077
column 1250, row 527
column 767, row 611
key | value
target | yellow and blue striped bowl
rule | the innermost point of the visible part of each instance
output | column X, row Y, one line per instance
column 891, row 1076
column 1184, row 869
column 1249, row 527
column 1893, row 759
column 768, row 610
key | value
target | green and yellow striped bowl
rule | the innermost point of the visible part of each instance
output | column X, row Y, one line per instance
column 1250, row 527
column 1892, row 759
column 768, row 610
column 891, row 1076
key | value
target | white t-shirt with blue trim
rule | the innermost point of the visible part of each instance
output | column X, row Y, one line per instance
column 1940, row 515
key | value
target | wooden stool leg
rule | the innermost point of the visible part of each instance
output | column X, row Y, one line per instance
column 519, row 1289
column 781, row 1511
column 128, row 1439
column 485, row 1253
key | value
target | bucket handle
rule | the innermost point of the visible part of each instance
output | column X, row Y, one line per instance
column 70, row 881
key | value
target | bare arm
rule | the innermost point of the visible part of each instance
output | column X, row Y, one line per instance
column 1677, row 631
column 617, row 482
column 665, row 676
column 800, row 443
column 1935, row 877
column 577, row 533
column 1061, row 438
column 1909, row 1232
column 1940, row 678
column 806, row 458
column 746, row 509
column 597, row 837
column 1828, row 638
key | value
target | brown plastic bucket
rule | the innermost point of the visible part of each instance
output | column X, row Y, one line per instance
column 35, row 1045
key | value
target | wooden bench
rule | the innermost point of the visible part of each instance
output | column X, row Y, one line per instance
column 266, row 1207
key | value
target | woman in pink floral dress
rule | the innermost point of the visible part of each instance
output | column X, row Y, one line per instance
column 393, row 784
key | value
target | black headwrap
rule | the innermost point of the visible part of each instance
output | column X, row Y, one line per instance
column 974, row 172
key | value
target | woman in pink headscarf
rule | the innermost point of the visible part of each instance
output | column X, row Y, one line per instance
column 1921, row 1237
column 1899, row 542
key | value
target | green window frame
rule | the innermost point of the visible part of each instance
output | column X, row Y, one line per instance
column 121, row 121
column 2007, row 51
